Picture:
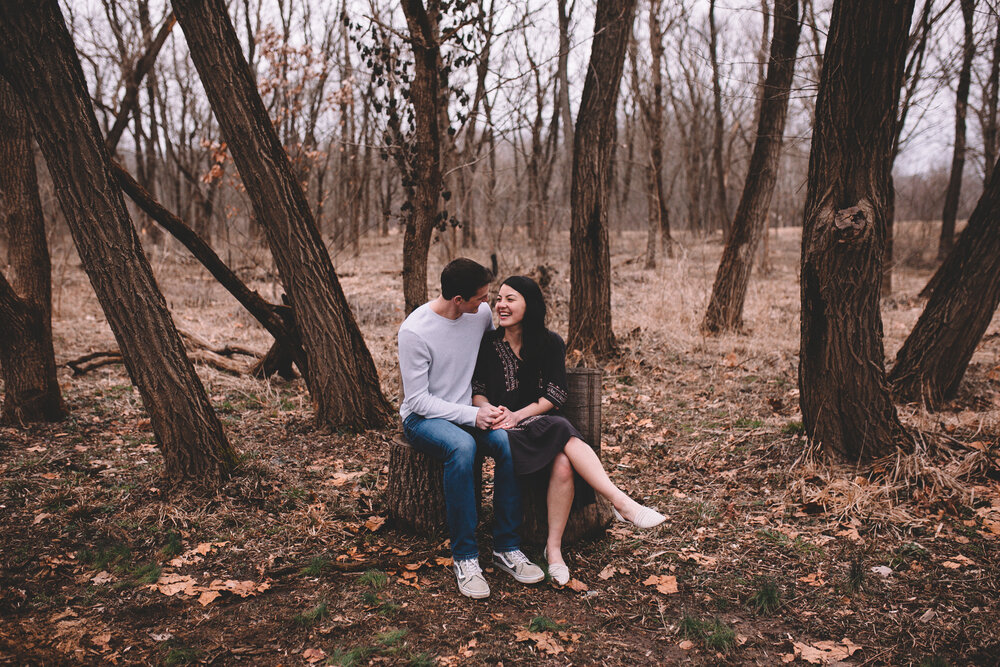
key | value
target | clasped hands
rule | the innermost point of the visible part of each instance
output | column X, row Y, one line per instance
column 493, row 417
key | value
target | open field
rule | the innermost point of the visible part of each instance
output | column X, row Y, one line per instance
column 778, row 554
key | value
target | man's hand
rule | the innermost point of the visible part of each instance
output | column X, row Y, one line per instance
column 486, row 416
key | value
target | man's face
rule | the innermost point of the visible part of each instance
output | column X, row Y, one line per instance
column 472, row 305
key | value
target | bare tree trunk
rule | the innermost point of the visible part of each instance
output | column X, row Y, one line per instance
column 590, row 261
column 656, row 126
column 721, row 206
column 991, row 94
column 425, row 95
column 27, row 360
column 932, row 361
column 958, row 156
column 340, row 373
column 190, row 435
column 844, row 395
column 725, row 308
column 149, row 178
column 562, row 71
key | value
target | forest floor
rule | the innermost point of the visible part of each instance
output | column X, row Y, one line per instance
column 770, row 554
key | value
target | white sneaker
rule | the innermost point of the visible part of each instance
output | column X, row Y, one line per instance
column 471, row 582
column 519, row 567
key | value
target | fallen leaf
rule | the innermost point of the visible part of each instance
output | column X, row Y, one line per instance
column 788, row 657
column 313, row 655
column 577, row 585
column 665, row 583
column 544, row 641
column 374, row 523
column 207, row 597
column 607, row 572
column 813, row 579
column 102, row 641
column 101, row 577
column 173, row 583
column 825, row 652
column 41, row 517
column 882, row 570
column 444, row 561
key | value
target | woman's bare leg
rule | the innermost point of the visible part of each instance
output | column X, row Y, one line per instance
column 559, row 501
column 589, row 467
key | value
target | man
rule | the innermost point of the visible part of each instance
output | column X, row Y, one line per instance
column 438, row 345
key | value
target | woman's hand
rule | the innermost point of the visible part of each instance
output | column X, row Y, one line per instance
column 506, row 419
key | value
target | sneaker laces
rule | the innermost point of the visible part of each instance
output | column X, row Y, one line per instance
column 467, row 568
column 516, row 557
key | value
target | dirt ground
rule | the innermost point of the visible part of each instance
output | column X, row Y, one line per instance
column 770, row 553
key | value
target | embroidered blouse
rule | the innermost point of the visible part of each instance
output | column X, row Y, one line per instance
column 497, row 373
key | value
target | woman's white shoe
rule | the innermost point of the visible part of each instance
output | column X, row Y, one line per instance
column 557, row 571
column 645, row 517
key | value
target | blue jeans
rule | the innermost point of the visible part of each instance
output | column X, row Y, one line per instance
column 457, row 446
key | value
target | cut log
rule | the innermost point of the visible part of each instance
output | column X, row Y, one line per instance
column 583, row 409
column 415, row 492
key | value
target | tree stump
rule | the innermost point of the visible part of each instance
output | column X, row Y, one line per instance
column 583, row 409
column 415, row 493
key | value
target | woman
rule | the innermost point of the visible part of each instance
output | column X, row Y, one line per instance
column 522, row 370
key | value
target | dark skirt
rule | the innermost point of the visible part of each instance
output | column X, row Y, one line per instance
column 535, row 443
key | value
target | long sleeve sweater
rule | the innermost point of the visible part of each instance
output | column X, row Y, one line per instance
column 436, row 359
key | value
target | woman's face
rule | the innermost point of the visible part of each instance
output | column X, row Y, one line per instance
column 510, row 306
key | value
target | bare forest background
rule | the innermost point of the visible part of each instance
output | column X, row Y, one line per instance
column 513, row 80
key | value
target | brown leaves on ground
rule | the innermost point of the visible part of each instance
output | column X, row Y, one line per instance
column 172, row 583
column 822, row 652
column 665, row 583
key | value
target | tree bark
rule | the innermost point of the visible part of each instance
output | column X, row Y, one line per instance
column 721, row 205
column 425, row 95
column 846, row 407
column 991, row 93
column 340, row 373
column 590, row 260
column 27, row 360
column 932, row 361
column 190, row 435
column 725, row 308
column 958, row 155
column 656, row 126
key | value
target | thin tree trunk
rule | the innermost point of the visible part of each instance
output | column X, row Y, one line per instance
column 590, row 261
column 846, row 407
column 932, row 361
column 992, row 93
column 725, row 307
column 656, row 126
column 721, row 206
column 340, row 373
column 425, row 95
column 27, row 360
column 190, row 435
column 958, row 156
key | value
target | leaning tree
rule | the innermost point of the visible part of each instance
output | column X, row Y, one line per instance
column 340, row 372
column 725, row 308
column 846, row 407
column 593, row 147
column 27, row 360
column 932, row 361
column 50, row 84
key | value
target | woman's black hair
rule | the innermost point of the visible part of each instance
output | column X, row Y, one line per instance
column 534, row 335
